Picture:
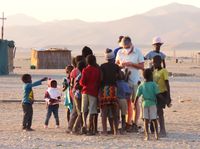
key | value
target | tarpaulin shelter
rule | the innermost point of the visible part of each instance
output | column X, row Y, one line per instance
column 7, row 53
column 53, row 58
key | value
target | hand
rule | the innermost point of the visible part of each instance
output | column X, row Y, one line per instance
column 44, row 79
column 51, row 100
column 127, row 64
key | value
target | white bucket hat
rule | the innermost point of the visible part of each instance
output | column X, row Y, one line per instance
column 157, row 40
column 109, row 54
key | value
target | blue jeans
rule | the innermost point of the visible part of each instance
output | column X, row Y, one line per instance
column 52, row 109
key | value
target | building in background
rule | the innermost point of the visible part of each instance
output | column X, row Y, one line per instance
column 7, row 54
column 53, row 58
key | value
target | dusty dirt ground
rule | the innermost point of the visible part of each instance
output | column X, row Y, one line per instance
column 182, row 119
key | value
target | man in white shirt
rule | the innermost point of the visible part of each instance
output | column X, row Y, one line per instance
column 132, row 59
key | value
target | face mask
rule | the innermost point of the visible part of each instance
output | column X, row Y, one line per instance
column 128, row 50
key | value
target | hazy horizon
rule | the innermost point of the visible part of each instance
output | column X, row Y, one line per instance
column 87, row 10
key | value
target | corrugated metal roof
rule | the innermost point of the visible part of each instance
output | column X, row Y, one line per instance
column 51, row 49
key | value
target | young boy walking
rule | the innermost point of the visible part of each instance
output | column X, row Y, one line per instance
column 28, row 100
column 148, row 90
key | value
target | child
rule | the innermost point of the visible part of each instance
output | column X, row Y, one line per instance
column 66, row 89
column 157, row 43
column 123, row 93
column 86, row 51
column 160, row 76
column 28, row 100
column 90, row 81
column 75, row 72
column 148, row 90
column 108, row 97
column 77, row 99
column 52, row 98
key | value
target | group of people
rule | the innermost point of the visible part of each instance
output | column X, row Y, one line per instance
column 112, row 89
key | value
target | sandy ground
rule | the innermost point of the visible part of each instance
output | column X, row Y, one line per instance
column 182, row 120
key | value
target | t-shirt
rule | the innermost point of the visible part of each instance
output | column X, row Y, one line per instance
column 77, row 87
column 52, row 96
column 75, row 72
column 90, row 80
column 109, row 73
column 135, row 57
column 152, row 54
column 148, row 91
column 160, row 76
column 28, row 96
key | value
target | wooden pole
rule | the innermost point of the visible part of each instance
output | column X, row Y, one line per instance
column 2, row 27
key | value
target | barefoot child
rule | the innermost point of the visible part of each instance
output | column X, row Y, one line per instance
column 28, row 100
column 52, row 98
column 108, row 97
column 123, row 94
column 90, row 81
column 75, row 72
column 160, row 76
column 78, row 99
column 148, row 90
column 66, row 90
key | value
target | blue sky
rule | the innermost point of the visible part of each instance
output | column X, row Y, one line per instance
column 87, row 10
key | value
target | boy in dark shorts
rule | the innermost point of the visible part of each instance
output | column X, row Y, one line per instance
column 28, row 100
column 160, row 76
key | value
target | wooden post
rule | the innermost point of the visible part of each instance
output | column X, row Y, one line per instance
column 2, row 28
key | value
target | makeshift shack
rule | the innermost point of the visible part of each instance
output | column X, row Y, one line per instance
column 52, row 58
column 7, row 53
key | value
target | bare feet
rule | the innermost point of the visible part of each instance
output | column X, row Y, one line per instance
column 156, row 136
column 146, row 138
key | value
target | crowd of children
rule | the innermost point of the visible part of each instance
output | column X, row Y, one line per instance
column 90, row 89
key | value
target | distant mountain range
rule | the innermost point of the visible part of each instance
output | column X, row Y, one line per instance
column 177, row 24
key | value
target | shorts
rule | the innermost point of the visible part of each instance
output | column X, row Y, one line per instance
column 162, row 102
column 149, row 113
column 109, row 110
column 123, row 106
column 89, row 103
column 134, row 90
